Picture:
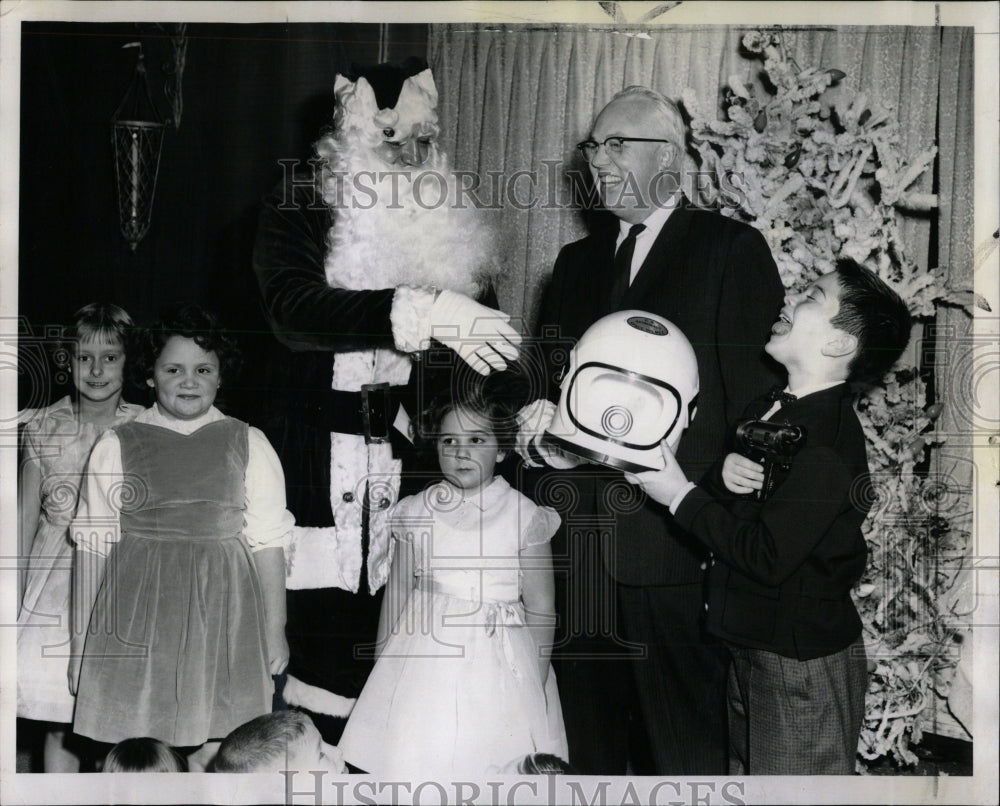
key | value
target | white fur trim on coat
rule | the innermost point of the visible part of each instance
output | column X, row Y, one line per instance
column 316, row 699
column 410, row 317
column 319, row 557
column 353, row 465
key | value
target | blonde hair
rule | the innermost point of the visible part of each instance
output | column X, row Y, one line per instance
column 102, row 321
column 255, row 745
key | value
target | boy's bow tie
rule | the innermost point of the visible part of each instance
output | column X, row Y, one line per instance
column 780, row 395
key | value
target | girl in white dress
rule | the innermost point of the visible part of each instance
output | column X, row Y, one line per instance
column 463, row 680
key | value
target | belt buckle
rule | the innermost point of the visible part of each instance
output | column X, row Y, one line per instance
column 375, row 412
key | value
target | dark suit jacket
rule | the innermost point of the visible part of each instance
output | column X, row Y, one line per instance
column 715, row 279
column 786, row 566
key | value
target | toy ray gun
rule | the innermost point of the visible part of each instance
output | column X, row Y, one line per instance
column 772, row 445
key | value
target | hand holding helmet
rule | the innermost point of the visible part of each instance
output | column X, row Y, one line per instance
column 661, row 485
column 632, row 383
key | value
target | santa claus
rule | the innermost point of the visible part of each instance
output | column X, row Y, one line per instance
column 365, row 259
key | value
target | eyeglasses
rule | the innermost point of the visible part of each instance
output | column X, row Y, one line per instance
column 613, row 145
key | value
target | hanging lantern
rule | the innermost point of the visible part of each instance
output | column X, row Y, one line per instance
column 137, row 137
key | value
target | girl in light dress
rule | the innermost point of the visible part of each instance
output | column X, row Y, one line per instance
column 179, row 533
column 56, row 442
column 463, row 680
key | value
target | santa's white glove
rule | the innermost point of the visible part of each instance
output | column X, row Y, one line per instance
column 481, row 336
column 530, row 445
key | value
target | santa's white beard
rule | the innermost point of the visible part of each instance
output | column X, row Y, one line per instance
column 402, row 227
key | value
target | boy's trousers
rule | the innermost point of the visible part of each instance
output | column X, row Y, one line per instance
column 793, row 717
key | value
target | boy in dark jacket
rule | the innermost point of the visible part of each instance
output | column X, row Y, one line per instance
column 780, row 584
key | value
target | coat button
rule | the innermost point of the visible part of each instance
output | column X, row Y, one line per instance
column 383, row 503
column 706, row 607
column 348, row 498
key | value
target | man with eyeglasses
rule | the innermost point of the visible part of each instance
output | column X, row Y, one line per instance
column 645, row 693
column 360, row 259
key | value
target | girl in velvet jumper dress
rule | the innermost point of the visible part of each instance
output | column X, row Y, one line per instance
column 179, row 532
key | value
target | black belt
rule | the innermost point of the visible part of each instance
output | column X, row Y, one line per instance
column 369, row 412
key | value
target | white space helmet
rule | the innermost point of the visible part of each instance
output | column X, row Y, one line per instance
column 632, row 381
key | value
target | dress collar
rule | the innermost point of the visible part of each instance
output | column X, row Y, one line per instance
column 483, row 499
column 153, row 416
column 62, row 409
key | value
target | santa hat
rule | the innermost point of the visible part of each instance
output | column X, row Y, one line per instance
column 388, row 98
column 387, row 79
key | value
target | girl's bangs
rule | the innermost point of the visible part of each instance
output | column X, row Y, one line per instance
column 100, row 335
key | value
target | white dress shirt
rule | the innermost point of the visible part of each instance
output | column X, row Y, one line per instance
column 644, row 240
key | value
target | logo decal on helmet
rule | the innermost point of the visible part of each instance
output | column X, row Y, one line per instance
column 647, row 325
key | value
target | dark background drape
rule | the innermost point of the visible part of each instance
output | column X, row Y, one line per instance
column 252, row 95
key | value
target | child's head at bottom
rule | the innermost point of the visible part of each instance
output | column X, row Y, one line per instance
column 471, row 429
column 144, row 755
column 283, row 740
column 848, row 325
column 537, row 764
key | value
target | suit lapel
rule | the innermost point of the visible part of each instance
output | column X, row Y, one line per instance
column 655, row 269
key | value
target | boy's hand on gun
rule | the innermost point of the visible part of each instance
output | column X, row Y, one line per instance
column 661, row 485
column 742, row 475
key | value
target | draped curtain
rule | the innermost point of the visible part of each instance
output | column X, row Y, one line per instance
column 518, row 98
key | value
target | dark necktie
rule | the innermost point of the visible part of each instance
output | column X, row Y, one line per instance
column 623, row 266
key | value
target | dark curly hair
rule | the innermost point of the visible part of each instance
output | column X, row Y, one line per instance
column 189, row 321
column 497, row 398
